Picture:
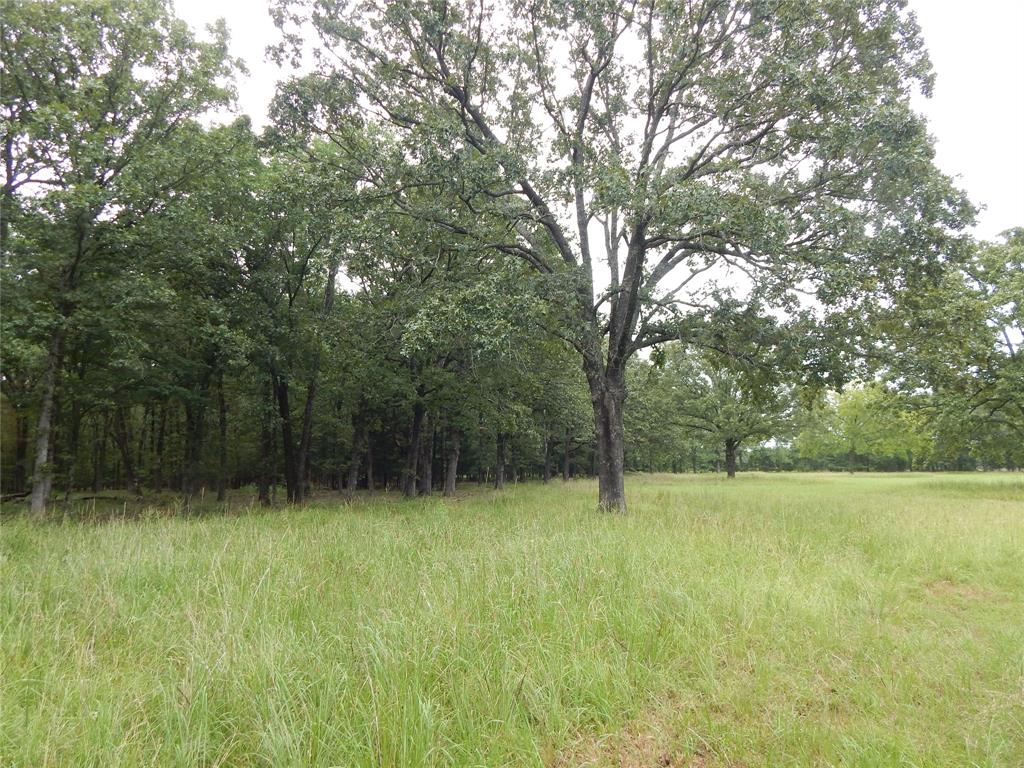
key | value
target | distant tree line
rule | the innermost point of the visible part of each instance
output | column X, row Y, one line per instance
column 867, row 427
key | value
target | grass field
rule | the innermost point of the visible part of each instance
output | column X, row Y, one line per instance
column 772, row 621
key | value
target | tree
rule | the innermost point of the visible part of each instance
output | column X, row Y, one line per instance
column 955, row 342
column 195, row 319
column 94, row 96
column 656, row 441
column 866, row 421
column 710, row 396
column 675, row 145
column 301, row 229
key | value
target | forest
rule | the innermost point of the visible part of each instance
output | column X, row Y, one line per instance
column 454, row 250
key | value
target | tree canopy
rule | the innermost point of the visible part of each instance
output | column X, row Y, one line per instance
column 469, row 232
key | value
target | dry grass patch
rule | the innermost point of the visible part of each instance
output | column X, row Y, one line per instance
column 945, row 589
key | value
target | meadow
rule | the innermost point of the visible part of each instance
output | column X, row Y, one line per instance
column 775, row 620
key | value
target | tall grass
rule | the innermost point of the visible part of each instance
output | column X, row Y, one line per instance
column 775, row 620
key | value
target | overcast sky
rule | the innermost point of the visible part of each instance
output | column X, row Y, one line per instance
column 976, row 113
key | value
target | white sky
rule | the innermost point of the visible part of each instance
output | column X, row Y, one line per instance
column 976, row 113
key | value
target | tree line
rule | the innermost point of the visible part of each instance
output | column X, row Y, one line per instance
column 467, row 233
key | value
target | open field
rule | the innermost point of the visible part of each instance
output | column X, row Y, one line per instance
column 775, row 620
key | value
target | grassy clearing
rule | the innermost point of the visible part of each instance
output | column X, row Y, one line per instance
column 776, row 620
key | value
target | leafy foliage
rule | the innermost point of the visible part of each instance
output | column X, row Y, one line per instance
column 465, row 221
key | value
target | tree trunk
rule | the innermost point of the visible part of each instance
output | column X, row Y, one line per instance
column 20, row 452
column 122, row 432
column 195, row 416
column 451, row 468
column 292, row 481
column 412, row 453
column 359, row 444
column 352, row 472
column 157, row 480
column 500, row 459
column 140, row 443
column 607, row 395
column 302, row 456
column 99, row 453
column 426, row 460
column 481, row 449
column 42, row 474
column 730, row 458
column 566, row 458
column 73, row 440
column 266, row 452
column 547, row 459
column 222, row 447
column 273, row 458
column 56, row 455
column 369, row 464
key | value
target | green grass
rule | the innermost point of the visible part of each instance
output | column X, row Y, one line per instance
column 776, row 620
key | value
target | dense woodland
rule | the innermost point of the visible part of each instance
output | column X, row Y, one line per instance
column 484, row 243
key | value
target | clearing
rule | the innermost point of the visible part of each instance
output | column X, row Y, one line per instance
column 776, row 620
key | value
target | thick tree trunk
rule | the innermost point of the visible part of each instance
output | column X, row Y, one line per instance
column 451, row 468
column 412, row 452
column 426, row 460
column 607, row 395
column 730, row 458
column 42, row 474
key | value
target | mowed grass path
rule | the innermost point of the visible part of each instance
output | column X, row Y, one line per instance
column 772, row 621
